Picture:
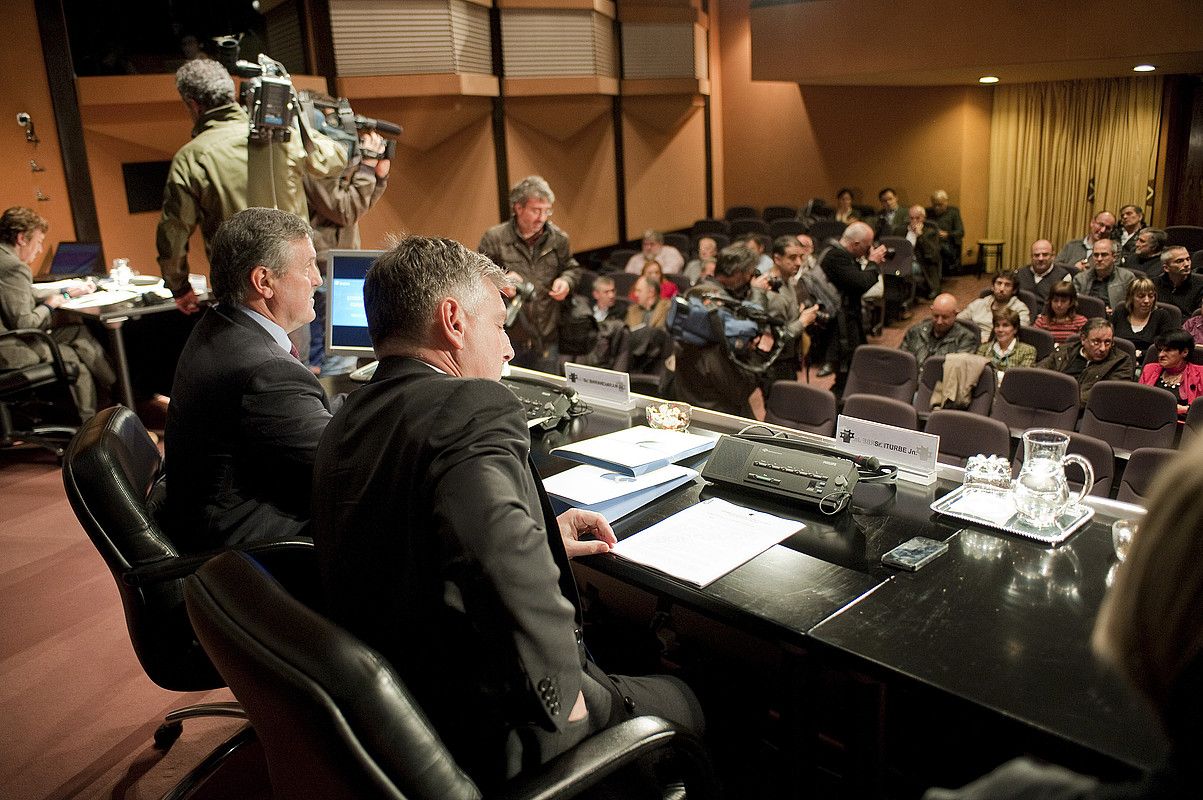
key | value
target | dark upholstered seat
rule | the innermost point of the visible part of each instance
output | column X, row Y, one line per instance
column 1140, row 472
column 801, row 406
column 1036, row 398
column 883, row 371
column 1130, row 415
column 112, row 473
column 336, row 722
column 963, row 434
column 885, row 410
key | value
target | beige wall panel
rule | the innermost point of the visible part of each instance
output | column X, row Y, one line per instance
column 30, row 93
column 118, row 134
column 443, row 178
column 784, row 144
column 664, row 153
column 576, row 156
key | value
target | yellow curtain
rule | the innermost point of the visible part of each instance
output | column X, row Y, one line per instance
column 1048, row 141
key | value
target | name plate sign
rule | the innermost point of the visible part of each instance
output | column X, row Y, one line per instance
column 913, row 452
column 603, row 387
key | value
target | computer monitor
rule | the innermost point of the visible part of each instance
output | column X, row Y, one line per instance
column 77, row 259
column 346, row 321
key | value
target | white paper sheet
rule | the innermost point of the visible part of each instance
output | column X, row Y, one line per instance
column 100, row 299
column 706, row 541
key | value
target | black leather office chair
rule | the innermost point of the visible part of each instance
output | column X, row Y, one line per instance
column 113, row 476
column 25, row 401
column 336, row 722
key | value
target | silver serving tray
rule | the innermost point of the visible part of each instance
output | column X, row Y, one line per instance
column 994, row 508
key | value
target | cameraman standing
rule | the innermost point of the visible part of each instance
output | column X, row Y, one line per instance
column 705, row 374
column 207, row 181
column 791, row 303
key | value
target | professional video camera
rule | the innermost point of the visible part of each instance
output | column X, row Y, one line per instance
column 272, row 102
column 734, row 325
column 268, row 94
column 337, row 116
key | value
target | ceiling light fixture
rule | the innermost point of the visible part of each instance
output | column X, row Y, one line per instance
column 1144, row 68
column 987, row 79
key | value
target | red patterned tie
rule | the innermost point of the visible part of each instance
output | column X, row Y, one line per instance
column 294, row 352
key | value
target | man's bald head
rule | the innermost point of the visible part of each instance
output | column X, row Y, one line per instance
column 1042, row 256
column 943, row 314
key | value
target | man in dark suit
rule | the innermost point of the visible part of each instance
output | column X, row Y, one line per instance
column 1041, row 275
column 246, row 414
column 924, row 237
column 841, row 262
column 437, row 544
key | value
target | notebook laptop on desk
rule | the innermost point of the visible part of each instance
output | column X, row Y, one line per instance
column 75, row 260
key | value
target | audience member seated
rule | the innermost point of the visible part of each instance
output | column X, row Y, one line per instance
column 654, row 250
column 924, row 237
column 891, row 214
column 1145, row 258
column 1105, row 280
column 1173, row 370
column 756, row 242
column 703, row 265
column 788, row 300
column 590, row 332
column 246, row 415
column 666, row 289
column 1150, row 631
column 435, row 538
column 1075, row 255
column 1041, row 274
column 844, row 212
column 1139, row 320
column 1002, row 295
column 1131, row 222
column 1094, row 359
column 940, row 334
column 649, row 309
column 1194, row 325
column 1060, row 316
column 21, row 306
column 1177, row 284
column 1004, row 348
column 952, row 230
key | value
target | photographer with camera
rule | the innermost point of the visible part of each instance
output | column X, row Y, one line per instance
column 533, row 251
column 792, row 303
column 842, row 264
column 208, row 180
column 706, row 374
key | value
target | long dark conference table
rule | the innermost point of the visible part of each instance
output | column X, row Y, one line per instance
column 999, row 625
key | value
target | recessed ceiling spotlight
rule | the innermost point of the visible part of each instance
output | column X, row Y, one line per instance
column 1144, row 68
column 987, row 79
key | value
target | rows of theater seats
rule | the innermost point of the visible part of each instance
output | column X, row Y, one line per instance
column 1126, row 431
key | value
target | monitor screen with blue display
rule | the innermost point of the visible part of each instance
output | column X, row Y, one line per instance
column 346, row 322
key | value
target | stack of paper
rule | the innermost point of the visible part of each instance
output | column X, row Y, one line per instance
column 612, row 494
column 638, row 450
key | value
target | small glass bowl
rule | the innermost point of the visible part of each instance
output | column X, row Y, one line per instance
column 1122, row 531
column 669, row 416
